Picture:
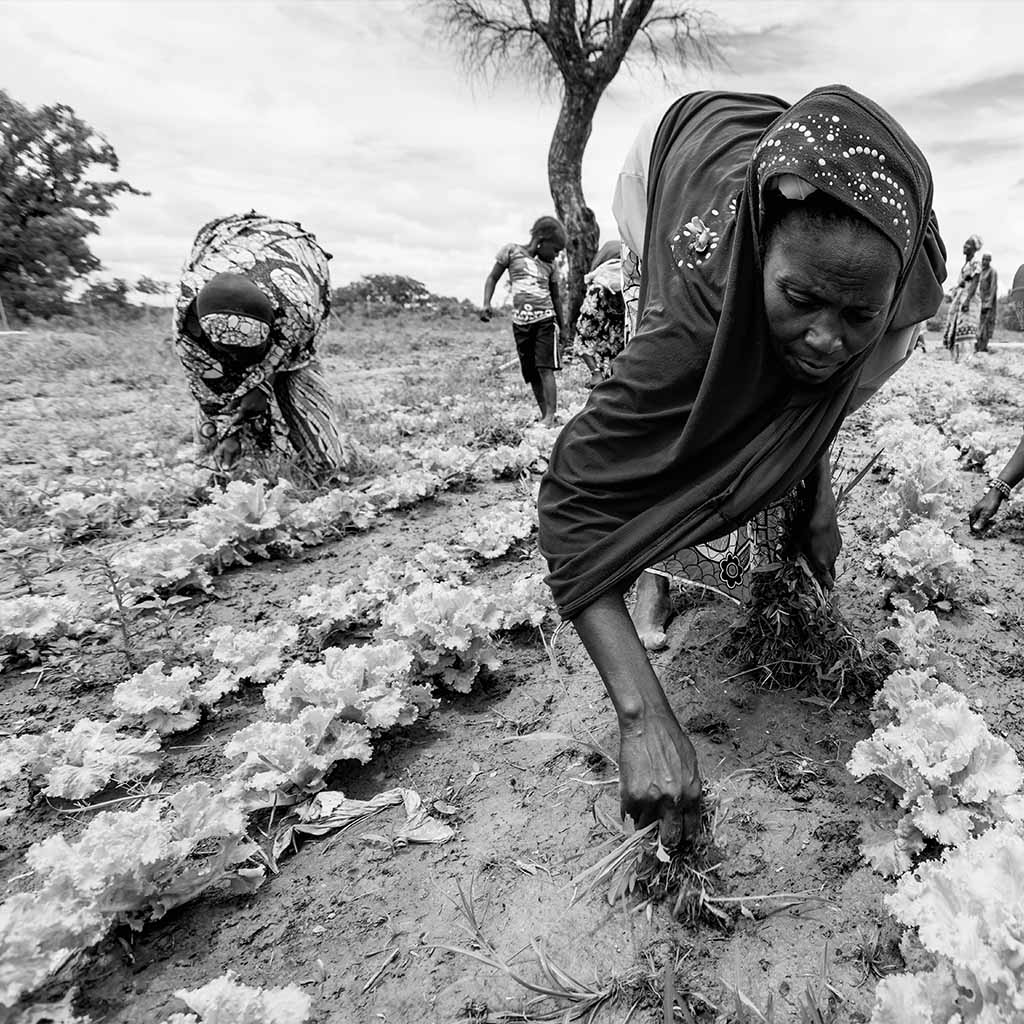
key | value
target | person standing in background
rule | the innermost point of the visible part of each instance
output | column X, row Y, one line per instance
column 965, row 307
column 988, row 289
column 536, row 307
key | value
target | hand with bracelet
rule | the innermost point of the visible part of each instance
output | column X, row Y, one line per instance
column 1000, row 487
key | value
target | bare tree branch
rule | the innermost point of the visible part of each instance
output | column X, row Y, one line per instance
column 495, row 38
column 578, row 46
column 674, row 40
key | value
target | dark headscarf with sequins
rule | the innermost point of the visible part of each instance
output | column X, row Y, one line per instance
column 699, row 427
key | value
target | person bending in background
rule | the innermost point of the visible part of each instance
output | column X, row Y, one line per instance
column 536, row 308
column 600, row 327
column 961, row 333
column 988, row 287
column 253, row 300
column 790, row 256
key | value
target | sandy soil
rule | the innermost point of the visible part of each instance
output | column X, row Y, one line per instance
column 359, row 924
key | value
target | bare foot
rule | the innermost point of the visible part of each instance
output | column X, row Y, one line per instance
column 652, row 610
column 547, row 421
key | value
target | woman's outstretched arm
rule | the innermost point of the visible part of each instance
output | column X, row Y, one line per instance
column 980, row 517
column 658, row 776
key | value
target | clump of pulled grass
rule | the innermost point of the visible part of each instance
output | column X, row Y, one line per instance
column 685, row 879
column 639, row 866
column 794, row 636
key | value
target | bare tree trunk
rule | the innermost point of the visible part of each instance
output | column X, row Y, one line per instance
column 565, row 179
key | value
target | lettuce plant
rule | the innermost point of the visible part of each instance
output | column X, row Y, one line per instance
column 126, row 866
column 76, row 763
column 29, row 623
column 449, row 630
column 167, row 565
column 400, row 490
column 927, row 565
column 913, row 636
column 967, row 910
column 507, row 463
column 281, row 762
column 499, row 530
column 526, row 602
column 166, row 702
column 952, row 776
column 253, row 655
column 245, row 521
column 922, row 482
column 370, row 684
column 226, row 1001
column 80, row 517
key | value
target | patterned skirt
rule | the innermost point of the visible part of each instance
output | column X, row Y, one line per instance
column 961, row 325
column 600, row 327
column 727, row 566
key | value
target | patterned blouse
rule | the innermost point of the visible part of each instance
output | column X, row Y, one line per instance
column 285, row 262
column 530, row 278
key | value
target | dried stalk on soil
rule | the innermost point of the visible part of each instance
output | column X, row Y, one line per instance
column 122, row 613
column 558, row 996
column 849, row 478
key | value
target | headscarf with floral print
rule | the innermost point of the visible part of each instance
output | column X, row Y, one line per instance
column 700, row 427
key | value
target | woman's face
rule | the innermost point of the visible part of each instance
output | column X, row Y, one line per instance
column 827, row 295
column 236, row 355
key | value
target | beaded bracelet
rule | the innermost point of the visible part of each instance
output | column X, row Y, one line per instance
column 1001, row 486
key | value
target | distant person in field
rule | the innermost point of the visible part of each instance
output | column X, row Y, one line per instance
column 1001, row 487
column 789, row 259
column 988, row 288
column 600, row 327
column 536, row 308
column 961, row 333
column 253, row 300
column 1017, row 296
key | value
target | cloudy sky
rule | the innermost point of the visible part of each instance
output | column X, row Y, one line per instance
column 353, row 117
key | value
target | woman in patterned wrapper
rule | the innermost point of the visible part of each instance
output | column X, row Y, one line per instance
column 960, row 335
column 253, row 301
column 600, row 327
column 790, row 256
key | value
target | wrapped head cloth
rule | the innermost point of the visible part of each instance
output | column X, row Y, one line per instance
column 234, row 313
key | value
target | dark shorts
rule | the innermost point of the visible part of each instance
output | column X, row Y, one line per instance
column 537, row 350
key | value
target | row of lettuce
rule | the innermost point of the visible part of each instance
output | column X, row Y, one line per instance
column 431, row 630
column 955, row 839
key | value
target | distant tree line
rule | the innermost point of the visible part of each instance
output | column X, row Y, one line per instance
column 387, row 294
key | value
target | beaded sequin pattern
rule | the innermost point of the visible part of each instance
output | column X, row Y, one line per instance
column 824, row 150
